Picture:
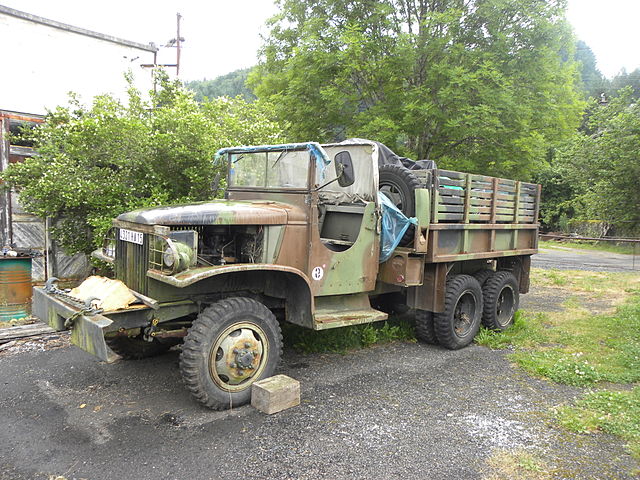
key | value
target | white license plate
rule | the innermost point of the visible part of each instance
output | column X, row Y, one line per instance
column 131, row 236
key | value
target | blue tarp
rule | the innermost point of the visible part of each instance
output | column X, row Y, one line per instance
column 394, row 225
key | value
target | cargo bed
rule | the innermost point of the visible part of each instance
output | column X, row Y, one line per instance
column 475, row 216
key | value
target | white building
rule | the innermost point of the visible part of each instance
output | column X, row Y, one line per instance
column 42, row 60
column 45, row 59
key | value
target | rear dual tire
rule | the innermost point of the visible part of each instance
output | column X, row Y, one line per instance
column 501, row 299
column 425, row 329
column 459, row 323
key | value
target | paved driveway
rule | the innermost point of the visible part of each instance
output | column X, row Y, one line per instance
column 565, row 258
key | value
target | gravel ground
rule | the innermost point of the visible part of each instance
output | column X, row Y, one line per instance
column 403, row 410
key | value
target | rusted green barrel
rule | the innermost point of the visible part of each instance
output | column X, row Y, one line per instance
column 15, row 287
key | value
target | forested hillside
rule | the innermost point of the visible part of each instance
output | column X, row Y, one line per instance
column 230, row 85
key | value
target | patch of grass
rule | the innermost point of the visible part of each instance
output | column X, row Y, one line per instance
column 341, row 340
column 527, row 331
column 612, row 247
column 556, row 278
column 517, row 465
column 610, row 285
column 559, row 366
column 617, row 413
column 575, row 347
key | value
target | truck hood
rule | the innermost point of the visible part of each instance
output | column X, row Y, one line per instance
column 219, row 212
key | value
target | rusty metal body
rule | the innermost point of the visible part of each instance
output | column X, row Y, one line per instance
column 304, row 245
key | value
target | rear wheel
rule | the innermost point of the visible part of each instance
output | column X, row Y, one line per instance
column 425, row 330
column 232, row 344
column 501, row 298
column 459, row 323
column 483, row 275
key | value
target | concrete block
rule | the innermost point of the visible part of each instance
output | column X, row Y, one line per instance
column 274, row 394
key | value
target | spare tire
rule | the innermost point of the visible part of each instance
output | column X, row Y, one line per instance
column 398, row 184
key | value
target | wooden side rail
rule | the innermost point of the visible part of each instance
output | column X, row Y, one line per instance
column 467, row 198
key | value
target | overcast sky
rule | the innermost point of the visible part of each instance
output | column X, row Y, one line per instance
column 224, row 35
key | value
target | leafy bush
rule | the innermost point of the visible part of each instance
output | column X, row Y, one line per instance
column 95, row 162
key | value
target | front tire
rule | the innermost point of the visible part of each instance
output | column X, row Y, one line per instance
column 232, row 344
column 459, row 323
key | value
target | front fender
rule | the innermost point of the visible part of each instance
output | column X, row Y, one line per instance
column 277, row 281
column 193, row 275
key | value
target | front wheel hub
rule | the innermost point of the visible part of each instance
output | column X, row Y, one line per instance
column 238, row 355
column 245, row 358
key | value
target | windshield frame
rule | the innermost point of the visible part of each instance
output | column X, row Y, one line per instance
column 235, row 151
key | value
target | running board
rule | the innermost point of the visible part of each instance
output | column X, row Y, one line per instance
column 342, row 310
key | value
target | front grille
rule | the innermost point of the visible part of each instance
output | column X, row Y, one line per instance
column 132, row 261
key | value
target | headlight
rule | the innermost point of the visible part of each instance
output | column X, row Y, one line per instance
column 174, row 254
column 168, row 257
column 178, row 257
column 110, row 249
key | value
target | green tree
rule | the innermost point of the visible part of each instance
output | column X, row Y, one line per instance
column 557, row 206
column 95, row 162
column 603, row 164
column 593, row 82
column 624, row 79
column 479, row 85
column 230, row 85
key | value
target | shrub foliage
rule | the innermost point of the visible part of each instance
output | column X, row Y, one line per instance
column 95, row 162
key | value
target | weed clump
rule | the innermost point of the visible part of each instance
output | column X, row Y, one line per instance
column 341, row 340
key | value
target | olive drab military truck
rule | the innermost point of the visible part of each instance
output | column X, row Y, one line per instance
column 318, row 236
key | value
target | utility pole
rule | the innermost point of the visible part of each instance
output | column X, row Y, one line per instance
column 178, row 43
column 174, row 42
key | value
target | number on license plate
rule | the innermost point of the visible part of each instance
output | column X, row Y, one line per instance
column 131, row 236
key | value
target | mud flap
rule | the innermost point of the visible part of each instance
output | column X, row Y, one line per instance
column 88, row 334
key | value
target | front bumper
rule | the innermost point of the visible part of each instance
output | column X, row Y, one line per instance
column 87, row 332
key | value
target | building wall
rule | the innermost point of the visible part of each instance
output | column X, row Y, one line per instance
column 25, row 231
column 42, row 63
